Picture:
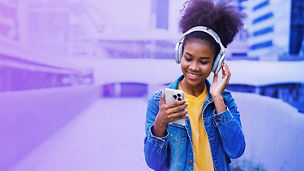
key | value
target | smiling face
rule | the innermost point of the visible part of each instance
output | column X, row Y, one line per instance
column 196, row 63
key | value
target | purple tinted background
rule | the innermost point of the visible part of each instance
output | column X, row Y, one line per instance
column 75, row 77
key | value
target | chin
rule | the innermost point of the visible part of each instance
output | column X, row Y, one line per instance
column 195, row 83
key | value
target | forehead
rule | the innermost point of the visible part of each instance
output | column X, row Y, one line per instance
column 198, row 47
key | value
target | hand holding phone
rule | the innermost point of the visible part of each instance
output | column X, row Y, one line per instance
column 173, row 95
column 171, row 111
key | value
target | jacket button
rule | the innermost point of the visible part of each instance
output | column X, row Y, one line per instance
column 218, row 119
column 190, row 161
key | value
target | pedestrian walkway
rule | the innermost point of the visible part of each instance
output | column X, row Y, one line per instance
column 109, row 136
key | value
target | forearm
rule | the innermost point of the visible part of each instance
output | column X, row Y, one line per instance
column 159, row 129
column 219, row 103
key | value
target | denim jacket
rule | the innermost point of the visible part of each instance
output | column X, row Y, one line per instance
column 174, row 151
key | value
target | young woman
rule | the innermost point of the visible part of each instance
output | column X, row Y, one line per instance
column 212, row 133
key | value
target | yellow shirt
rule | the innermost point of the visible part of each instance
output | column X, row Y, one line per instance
column 201, row 147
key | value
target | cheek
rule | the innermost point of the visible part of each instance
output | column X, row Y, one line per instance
column 209, row 68
column 210, row 65
column 183, row 68
column 183, row 64
column 206, row 69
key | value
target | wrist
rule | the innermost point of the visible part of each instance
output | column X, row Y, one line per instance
column 159, row 129
column 216, row 97
column 219, row 104
column 160, row 125
column 159, row 121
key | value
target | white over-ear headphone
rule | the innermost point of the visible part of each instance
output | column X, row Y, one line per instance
column 220, row 57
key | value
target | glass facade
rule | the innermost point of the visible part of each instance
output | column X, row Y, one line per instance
column 296, row 27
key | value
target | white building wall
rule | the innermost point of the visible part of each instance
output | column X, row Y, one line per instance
column 282, row 23
column 281, row 26
column 175, row 11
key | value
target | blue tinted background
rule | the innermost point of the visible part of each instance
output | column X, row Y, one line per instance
column 75, row 77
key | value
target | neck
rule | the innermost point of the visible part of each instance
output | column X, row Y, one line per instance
column 192, row 90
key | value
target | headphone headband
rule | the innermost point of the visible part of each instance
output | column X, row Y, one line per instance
column 206, row 30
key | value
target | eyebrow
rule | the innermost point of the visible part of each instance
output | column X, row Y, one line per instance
column 203, row 57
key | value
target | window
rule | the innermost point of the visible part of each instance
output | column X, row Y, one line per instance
column 263, row 31
column 262, row 18
column 261, row 45
column 162, row 14
column 261, row 5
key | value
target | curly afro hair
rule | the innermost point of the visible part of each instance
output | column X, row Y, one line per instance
column 223, row 18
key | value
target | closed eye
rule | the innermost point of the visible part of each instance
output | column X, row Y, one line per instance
column 188, row 59
column 204, row 62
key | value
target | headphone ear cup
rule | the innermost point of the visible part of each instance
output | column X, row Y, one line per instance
column 218, row 62
column 215, row 63
column 178, row 52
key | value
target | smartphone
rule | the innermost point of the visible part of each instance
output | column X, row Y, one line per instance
column 173, row 95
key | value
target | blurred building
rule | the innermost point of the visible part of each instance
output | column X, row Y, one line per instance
column 157, row 37
column 32, row 35
column 275, row 29
column 9, row 21
column 56, row 26
column 45, row 25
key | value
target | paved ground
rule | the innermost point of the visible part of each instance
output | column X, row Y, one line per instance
column 109, row 137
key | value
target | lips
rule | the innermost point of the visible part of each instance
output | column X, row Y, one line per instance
column 193, row 76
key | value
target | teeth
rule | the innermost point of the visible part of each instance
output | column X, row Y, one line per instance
column 193, row 75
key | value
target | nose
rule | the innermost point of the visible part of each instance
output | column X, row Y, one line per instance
column 194, row 66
